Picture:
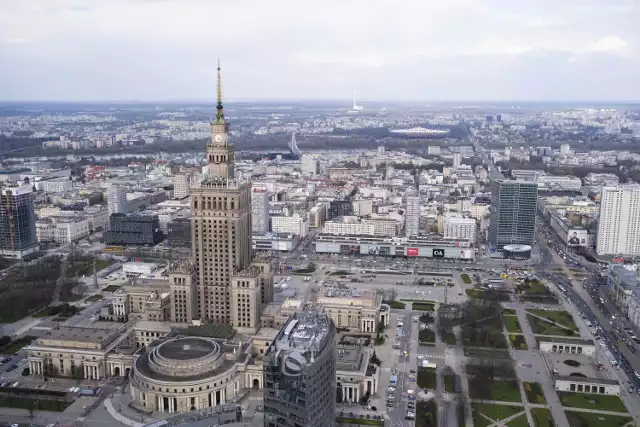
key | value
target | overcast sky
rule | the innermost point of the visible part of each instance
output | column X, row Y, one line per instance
column 320, row 49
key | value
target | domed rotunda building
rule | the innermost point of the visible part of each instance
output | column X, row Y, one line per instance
column 188, row 373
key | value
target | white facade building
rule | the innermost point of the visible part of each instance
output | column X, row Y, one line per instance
column 181, row 185
column 349, row 228
column 309, row 165
column 460, row 228
column 259, row 210
column 117, row 199
column 296, row 224
column 619, row 222
column 412, row 216
column 55, row 186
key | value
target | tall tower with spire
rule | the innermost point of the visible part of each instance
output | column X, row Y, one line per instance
column 228, row 289
column 219, row 151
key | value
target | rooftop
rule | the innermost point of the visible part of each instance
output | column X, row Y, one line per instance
column 305, row 334
column 577, row 366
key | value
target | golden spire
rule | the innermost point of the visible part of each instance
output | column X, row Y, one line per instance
column 219, row 114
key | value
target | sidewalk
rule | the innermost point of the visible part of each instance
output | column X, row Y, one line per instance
column 119, row 417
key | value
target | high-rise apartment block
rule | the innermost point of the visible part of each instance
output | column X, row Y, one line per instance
column 457, row 161
column 619, row 222
column 181, row 184
column 412, row 216
column 513, row 213
column 17, row 222
column 300, row 373
column 309, row 165
column 230, row 288
column 259, row 210
column 116, row 199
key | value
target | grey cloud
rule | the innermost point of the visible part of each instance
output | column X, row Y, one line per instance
column 413, row 50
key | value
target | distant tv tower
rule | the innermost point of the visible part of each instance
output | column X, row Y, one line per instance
column 356, row 107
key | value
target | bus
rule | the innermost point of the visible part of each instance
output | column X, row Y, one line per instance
column 393, row 380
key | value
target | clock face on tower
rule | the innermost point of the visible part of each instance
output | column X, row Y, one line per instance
column 218, row 138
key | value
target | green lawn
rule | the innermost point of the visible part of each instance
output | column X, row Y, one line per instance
column 542, row 327
column 423, row 306
column 17, row 345
column 111, row 288
column 587, row 419
column 518, row 342
column 449, row 338
column 534, row 393
column 427, row 378
column 561, row 317
column 509, row 312
column 466, row 278
column 504, row 391
column 449, row 381
column 592, row 401
column 427, row 336
column 519, row 421
column 512, row 324
column 495, row 412
column 542, row 417
column 36, row 404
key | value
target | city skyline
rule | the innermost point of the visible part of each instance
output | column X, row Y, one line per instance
column 421, row 51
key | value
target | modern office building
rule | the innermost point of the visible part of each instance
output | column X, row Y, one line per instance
column 231, row 289
column 300, row 373
column 130, row 229
column 116, row 199
column 412, row 216
column 17, row 222
column 619, row 222
column 513, row 213
column 339, row 208
column 181, row 183
column 259, row 210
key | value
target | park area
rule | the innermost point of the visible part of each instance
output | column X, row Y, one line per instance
column 541, row 326
column 485, row 414
column 536, row 292
column 542, row 417
column 534, row 393
column 560, row 317
column 427, row 378
column 592, row 419
column 597, row 402
column 518, row 342
column 489, row 389
column 512, row 324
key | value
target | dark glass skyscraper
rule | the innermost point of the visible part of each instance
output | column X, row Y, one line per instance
column 300, row 373
column 17, row 222
column 513, row 213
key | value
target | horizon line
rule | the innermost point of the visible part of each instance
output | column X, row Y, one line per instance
column 338, row 100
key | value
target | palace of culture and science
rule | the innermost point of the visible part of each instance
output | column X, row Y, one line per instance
column 208, row 329
column 228, row 288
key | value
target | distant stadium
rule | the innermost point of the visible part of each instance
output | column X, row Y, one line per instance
column 421, row 132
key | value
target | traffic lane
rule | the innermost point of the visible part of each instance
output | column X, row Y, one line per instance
column 605, row 328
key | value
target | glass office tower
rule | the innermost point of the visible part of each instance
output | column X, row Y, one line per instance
column 300, row 373
column 513, row 213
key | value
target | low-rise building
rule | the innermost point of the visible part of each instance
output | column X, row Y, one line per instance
column 352, row 310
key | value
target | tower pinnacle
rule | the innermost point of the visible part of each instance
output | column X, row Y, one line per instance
column 219, row 113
